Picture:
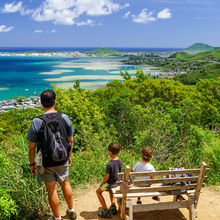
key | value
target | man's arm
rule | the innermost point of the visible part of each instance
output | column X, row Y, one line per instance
column 70, row 139
column 32, row 147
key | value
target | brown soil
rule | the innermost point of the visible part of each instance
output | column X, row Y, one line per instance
column 87, row 206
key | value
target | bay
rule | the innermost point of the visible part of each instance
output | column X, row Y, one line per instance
column 28, row 76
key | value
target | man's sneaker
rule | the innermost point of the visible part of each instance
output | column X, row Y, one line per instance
column 105, row 213
column 113, row 210
column 71, row 215
column 139, row 202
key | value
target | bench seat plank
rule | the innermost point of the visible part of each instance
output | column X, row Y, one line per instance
column 162, row 173
column 158, row 189
column 164, row 180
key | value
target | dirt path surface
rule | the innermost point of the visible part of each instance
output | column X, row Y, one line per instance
column 87, row 206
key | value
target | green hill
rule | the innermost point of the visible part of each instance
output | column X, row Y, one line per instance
column 199, row 47
column 208, row 55
column 102, row 51
column 181, row 55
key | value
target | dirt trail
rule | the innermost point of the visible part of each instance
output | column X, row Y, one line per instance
column 87, row 206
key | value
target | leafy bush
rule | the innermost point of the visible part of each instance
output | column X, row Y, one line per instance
column 8, row 207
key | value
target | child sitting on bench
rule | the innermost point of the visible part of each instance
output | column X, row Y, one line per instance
column 145, row 166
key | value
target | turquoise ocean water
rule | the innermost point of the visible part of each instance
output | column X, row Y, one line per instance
column 21, row 76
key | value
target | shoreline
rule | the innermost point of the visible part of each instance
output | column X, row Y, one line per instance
column 32, row 102
column 83, row 54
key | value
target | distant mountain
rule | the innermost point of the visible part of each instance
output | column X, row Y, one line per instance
column 102, row 51
column 199, row 47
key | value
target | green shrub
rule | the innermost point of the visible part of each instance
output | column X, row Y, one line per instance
column 8, row 207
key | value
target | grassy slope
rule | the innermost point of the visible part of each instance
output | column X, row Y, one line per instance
column 207, row 55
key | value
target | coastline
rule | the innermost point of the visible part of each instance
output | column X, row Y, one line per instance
column 84, row 54
column 20, row 103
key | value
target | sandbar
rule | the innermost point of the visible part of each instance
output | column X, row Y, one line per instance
column 4, row 88
column 93, row 65
column 84, row 85
column 86, row 77
column 56, row 72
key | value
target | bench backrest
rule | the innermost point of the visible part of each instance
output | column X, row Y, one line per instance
column 192, row 181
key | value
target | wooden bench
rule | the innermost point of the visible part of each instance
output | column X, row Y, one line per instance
column 187, row 197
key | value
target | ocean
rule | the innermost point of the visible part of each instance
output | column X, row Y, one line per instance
column 29, row 76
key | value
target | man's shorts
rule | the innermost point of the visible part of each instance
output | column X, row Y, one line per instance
column 58, row 173
column 106, row 187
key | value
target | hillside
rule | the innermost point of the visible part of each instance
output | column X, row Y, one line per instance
column 102, row 51
column 206, row 55
column 181, row 55
column 199, row 47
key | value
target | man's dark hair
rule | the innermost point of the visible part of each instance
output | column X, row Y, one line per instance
column 114, row 147
column 47, row 98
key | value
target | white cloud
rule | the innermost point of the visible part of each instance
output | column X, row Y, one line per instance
column 38, row 31
column 126, row 15
column 53, row 31
column 144, row 17
column 16, row 7
column 12, row 7
column 66, row 12
column 164, row 14
column 83, row 23
column 3, row 28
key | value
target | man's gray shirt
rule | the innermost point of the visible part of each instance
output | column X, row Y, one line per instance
column 37, row 123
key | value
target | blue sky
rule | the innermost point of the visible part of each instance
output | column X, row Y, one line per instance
column 109, row 23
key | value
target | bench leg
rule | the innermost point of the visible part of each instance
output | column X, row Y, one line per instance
column 175, row 198
column 192, row 211
column 129, row 205
column 119, row 201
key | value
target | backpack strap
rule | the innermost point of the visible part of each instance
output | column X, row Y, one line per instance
column 47, row 117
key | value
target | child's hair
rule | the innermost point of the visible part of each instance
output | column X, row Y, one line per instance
column 147, row 154
column 114, row 147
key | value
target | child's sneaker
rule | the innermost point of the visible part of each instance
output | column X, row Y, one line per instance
column 105, row 213
column 71, row 215
column 156, row 198
column 113, row 210
column 139, row 202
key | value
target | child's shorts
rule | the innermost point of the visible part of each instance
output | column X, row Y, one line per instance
column 106, row 187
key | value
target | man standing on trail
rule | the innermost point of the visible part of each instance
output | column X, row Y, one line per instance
column 52, row 133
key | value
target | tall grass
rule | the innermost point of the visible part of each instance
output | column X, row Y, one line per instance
column 212, row 156
column 28, row 195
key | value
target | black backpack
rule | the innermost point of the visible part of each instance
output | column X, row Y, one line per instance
column 53, row 139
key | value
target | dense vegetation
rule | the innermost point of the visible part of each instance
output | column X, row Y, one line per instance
column 180, row 122
column 186, row 68
column 102, row 52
